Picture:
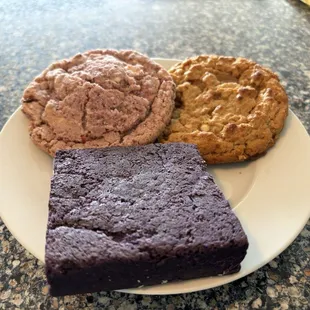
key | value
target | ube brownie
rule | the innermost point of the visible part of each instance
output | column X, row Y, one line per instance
column 123, row 217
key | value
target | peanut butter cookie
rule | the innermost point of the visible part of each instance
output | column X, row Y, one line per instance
column 99, row 98
column 232, row 108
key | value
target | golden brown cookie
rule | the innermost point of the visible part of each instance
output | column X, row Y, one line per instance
column 232, row 108
column 99, row 98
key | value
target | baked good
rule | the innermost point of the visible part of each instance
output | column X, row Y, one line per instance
column 232, row 108
column 97, row 99
column 122, row 217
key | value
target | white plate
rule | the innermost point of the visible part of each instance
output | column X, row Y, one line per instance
column 269, row 195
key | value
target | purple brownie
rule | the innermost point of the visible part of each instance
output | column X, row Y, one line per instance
column 123, row 217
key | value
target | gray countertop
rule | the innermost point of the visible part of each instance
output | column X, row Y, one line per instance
column 275, row 33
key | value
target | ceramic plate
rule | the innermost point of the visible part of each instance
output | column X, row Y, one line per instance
column 269, row 195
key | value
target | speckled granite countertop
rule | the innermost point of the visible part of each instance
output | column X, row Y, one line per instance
column 275, row 33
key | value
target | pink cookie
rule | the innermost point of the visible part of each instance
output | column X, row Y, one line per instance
column 99, row 98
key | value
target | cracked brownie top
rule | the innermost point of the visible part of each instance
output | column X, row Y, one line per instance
column 97, row 99
column 135, row 203
column 232, row 108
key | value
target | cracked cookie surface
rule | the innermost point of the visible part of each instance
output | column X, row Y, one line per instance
column 232, row 108
column 99, row 98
